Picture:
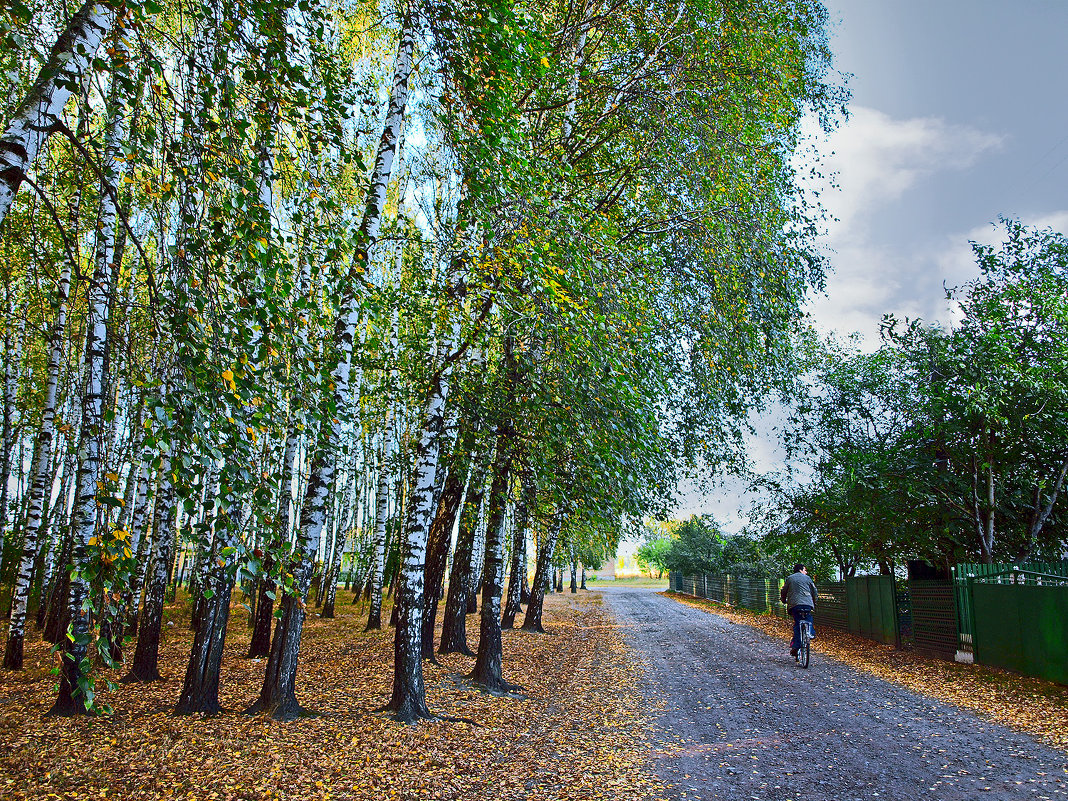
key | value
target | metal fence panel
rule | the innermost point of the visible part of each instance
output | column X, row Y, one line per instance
column 1022, row 628
column 934, row 618
column 832, row 610
column 904, row 615
column 753, row 593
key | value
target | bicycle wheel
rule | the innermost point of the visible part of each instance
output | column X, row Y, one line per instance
column 803, row 652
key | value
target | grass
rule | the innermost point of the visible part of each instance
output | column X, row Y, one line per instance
column 637, row 581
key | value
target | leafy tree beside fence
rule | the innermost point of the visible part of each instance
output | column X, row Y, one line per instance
column 945, row 444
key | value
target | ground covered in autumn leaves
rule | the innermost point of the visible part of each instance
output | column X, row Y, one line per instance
column 574, row 734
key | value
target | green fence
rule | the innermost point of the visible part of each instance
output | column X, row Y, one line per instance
column 964, row 600
column 1014, row 618
column 757, row 593
column 1020, row 622
column 866, row 606
column 872, row 606
column 832, row 608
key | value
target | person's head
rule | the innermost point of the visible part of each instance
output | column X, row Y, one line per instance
column 799, row 568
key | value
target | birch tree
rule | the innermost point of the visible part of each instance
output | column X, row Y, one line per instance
column 278, row 695
column 39, row 113
column 75, row 689
column 41, row 486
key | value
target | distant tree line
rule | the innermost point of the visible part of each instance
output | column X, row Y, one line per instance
column 699, row 545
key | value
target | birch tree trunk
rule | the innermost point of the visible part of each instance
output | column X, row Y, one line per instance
column 330, row 597
column 378, row 567
column 378, row 558
column 54, row 618
column 440, row 539
column 139, row 538
column 145, row 665
column 73, row 695
column 278, row 697
column 488, row 673
column 200, row 689
column 478, row 555
column 542, row 575
column 39, row 113
column 408, row 701
column 42, row 481
column 260, row 645
column 13, row 342
column 519, row 547
column 454, row 619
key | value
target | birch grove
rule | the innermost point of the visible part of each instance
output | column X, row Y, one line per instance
column 400, row 297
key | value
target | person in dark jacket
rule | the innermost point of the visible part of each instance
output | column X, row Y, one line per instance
column 799, row 594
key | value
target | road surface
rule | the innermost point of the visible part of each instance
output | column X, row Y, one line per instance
column 737, row 719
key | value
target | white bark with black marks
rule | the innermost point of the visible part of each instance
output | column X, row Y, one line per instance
column 70, row 700
column 378, row 565
column 408, row 701
column 278, row 695
column 41, row 486
column 40, row 112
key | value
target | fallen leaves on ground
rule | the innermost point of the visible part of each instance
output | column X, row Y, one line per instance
column 1033, row 706
column 575, row 732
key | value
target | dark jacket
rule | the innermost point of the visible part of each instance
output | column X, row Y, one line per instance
column 799, row 590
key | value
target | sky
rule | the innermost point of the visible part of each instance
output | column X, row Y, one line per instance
column 958, row 116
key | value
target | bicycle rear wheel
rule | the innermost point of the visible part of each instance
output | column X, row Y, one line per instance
column 804, row 652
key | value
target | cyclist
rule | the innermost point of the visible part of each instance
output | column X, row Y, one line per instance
column 799, row 594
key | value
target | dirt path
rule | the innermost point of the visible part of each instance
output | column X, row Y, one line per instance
column 737, row 719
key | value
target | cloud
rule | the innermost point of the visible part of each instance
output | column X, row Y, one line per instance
column 955, row 264
column 1057, row 220
column 877, row 159
column 870, row 281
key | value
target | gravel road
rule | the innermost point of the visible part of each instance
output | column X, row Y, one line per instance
column 737, row 719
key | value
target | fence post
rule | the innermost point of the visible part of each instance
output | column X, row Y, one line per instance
column 897, row 612
column 971, row 613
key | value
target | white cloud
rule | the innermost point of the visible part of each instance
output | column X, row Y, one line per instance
column 955, row 260
column 877, row 159
column 870, row 281
column 1057, row 220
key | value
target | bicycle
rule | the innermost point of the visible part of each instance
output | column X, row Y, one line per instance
column 804, row 651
